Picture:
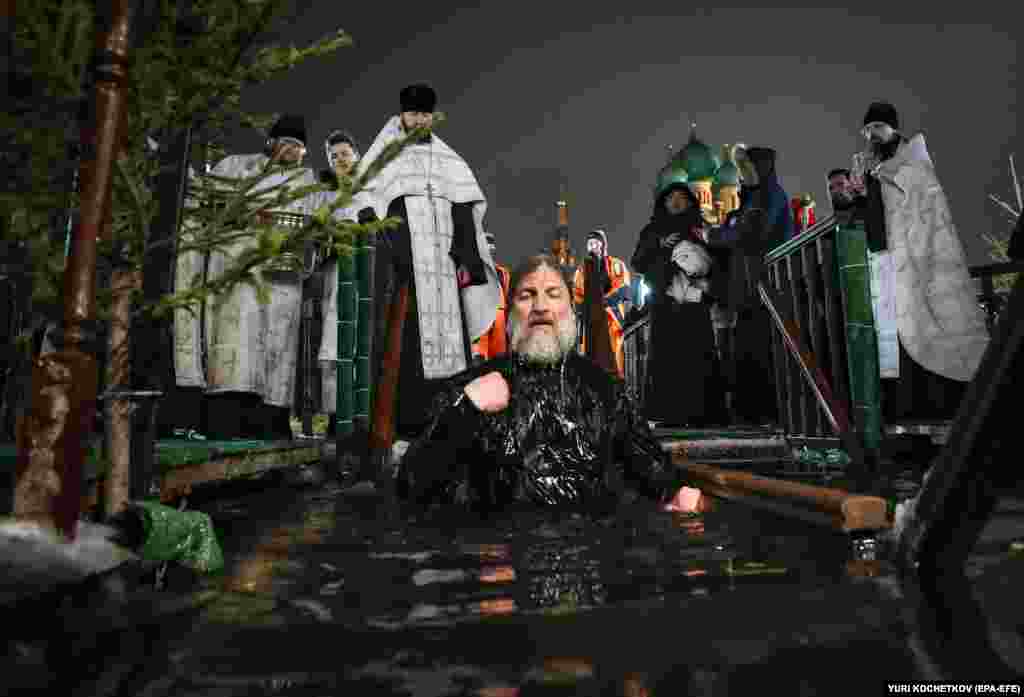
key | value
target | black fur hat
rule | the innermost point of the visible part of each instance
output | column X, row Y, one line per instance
column 418, row 97
column 290, row 126
column 882, row 112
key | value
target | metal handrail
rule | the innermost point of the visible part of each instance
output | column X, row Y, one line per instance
column 636, row 326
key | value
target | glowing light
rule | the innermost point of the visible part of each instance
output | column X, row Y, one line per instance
column 498, row 574
column 643, row 290
column 498, row 552
column 494, row 606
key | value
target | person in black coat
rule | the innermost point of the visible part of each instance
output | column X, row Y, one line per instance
column 684, row 379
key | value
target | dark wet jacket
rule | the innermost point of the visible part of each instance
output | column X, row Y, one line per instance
column 571, row 434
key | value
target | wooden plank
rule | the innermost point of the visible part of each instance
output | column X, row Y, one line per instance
column 821, row 505
column 177, row 481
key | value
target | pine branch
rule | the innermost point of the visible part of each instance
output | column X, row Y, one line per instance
column 1006, row 206
column 1016, row 185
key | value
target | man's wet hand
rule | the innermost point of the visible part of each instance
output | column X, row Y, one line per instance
column 672, row 240
column 489, row 393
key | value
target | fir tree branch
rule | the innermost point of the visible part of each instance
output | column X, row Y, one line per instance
column 1016, row 185
column 1005, row 206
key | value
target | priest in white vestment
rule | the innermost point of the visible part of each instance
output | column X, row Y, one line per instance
column 440, row 250
column 251, row 348
column 932, row 332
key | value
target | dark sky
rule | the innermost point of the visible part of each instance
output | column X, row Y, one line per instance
column 545, row 95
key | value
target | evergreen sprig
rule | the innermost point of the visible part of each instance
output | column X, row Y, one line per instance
column 175, row 80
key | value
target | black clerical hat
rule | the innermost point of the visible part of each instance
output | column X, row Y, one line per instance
column 419, row 97
column 290, row 126
column 882, row 112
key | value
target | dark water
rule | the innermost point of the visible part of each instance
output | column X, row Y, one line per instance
column 329, row 596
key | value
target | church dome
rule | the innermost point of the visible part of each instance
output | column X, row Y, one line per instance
column 699, row 161
column 672, row 173
column 728, row 173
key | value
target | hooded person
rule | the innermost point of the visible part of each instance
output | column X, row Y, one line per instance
column 252, row 348
column 684, row 381
column 618, row 293
column 762, row 222
column 935, row 321
column 439, row 251
column 761, row 189
column 540, row 425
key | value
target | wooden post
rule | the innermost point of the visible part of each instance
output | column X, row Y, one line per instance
column 382, row 422
column 50, row 438
column 119, row 406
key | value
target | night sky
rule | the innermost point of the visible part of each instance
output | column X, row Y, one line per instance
column 585, row 97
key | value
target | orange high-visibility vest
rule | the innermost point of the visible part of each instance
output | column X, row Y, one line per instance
column 493, row 343
column 615, row 304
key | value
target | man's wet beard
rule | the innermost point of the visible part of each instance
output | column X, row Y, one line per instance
column 540, row 346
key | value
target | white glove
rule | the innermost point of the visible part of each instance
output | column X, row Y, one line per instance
column 691, row 258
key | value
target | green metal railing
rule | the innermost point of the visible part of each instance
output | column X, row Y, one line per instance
column 822, row 281
column 345, row 377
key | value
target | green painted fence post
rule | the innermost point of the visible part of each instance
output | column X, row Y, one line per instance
column 854, row 279
column 346, row 345
column 364, row 264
